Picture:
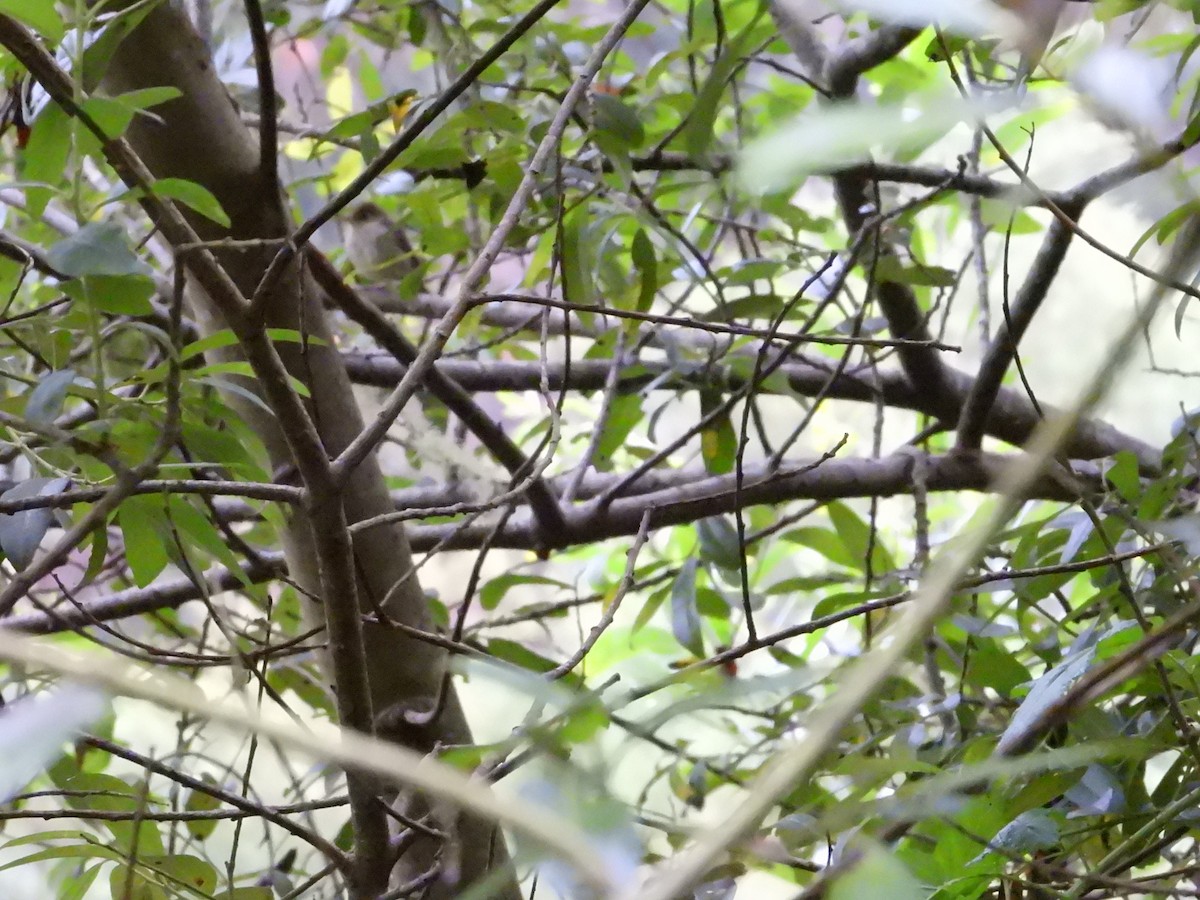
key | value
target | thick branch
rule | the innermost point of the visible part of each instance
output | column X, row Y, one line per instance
column 1012, row 419
column 856, row 195
column 862, row 54
column 678, row 497
column 198, row 136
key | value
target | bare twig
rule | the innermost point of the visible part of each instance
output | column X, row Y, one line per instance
column 369, row 438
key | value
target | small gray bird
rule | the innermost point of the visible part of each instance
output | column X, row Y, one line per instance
column 376, row 248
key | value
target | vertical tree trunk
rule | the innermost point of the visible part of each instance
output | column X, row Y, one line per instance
column 200, row 137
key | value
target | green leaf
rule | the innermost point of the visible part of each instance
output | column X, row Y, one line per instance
column 40, row 15
column 46, row 156
column 993, row 667
column 856, row 536
column 100, row 791
column 226, row 338
column 941, row 44
column 97, row 556
column 752, row 270
column 519, row 655
column 805, row 584
column 825, row 542
column 618, row 644
column 103, row 45
column 98, row 248
column 624, row 413
column 492, row 115
column 718, row 440
column 113, row 114
column 698, row 132
column 833, row 603
column 889, row 268
column 619, row 120
column 69, row 851
column 493, row 592
column 253, row 892
column 646, row 264
column 1123, row 475
column 999, row 213
column 719, row 543
column 199, row 801
column 128, row 883
column 878, row 874
column 199, row 876
column 45, row 401
column 578, row 257
column 78, row 886
column 582, row 724
column 840, row 135
column 227, row 449
column 146, row 98
column 147, row 536
column 685, row 617
column 359, row 124
column 195, row 529
column 118, row 295
column 195, row 196
column 344, row 839
column 756, row 306
column 649, row 608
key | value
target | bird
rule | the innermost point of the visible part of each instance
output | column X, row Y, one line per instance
column 377, row 249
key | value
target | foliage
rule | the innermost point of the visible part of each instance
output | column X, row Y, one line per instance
column 697, row 474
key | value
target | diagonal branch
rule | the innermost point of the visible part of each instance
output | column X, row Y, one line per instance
column 338, row 583
column 475, row 275
column 972, row 423
column 859, row 56
column 268, row 124
column 458, row 401
column 857, row 196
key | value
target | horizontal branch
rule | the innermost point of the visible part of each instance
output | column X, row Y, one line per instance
column 201, row 487
column 962, row 182
column 695, row 498
column 167, row 594
column 679, row 497
column 1012, row 418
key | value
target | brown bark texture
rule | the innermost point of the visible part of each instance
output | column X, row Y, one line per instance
column 200, row 137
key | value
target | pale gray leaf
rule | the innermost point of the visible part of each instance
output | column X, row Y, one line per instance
column 98, row 248
column 21, row 532
column 1046, row 691
column 685, row 618
column 34, row 729
column 45, row 401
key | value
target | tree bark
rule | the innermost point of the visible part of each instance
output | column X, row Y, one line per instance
column 200, row 137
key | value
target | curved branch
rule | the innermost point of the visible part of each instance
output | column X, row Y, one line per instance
column 862, row 54
column 856, row 197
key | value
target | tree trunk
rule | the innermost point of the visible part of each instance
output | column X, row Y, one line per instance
column 200, row 137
